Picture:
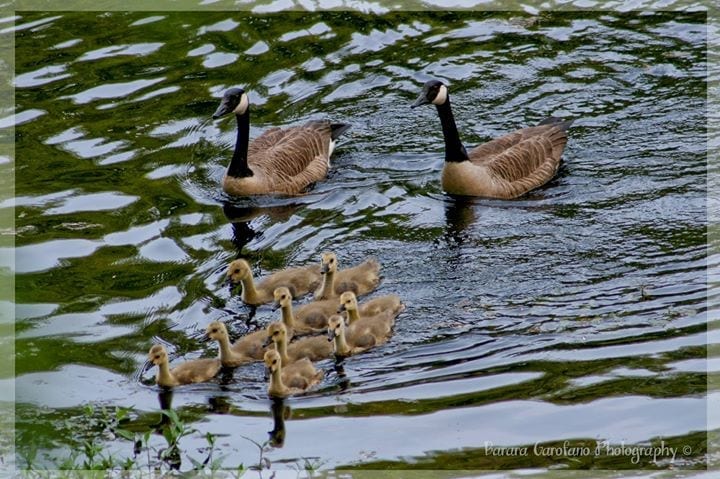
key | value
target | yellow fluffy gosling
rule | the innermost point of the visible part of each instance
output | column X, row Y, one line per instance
column 295, row 378
column 299, row 281
column 193, row 371
column 360, row 279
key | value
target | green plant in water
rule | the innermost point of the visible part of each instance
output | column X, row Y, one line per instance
column 90, row 455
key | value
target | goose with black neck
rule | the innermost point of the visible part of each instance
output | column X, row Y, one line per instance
column 506, row 167
column 283, row 161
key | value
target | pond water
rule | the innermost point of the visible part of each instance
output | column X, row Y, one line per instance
column 575, row 314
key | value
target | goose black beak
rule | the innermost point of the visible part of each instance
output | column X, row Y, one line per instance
column 222, row 110
column 422, row 100
column 275, row 306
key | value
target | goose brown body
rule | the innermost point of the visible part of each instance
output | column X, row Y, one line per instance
column 194, row 371
column 299, row 281
column 281, row 160
column 504, row 168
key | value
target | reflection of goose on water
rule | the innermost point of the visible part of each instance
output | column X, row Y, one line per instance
column 506, row 167
column 280, row 412
column 280, row 161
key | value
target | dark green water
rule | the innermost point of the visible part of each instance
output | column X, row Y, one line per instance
column 576, row 313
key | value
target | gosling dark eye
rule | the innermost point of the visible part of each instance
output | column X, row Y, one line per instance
column 214, row 331
column 236, row 271
column 283, row 297
column 274, row 361
column 332, row 260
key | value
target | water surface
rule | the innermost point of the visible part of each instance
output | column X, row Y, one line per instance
column 575, row 313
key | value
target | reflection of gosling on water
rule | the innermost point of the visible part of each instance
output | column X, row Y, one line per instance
column 299, row 281
column 315, row 348
column 295, row 378
column 360, row 279
column 193, row 371
column 280, row 161
column 246, row 349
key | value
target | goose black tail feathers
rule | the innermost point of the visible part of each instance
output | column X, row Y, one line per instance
column 561, row 123
column 338, row 129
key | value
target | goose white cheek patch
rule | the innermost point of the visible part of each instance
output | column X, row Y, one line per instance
column 243, row 105
column 441, row 96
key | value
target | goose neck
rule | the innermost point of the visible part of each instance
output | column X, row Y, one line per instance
column 328, row 285
column 239, row 165
column 341, row 345
column 288, row 318
column 277, row 388
column 164, row 376
column 249, row 293
column 454, row 149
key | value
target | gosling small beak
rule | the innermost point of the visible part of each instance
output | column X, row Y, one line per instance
column 275, row 306
column 267, row 342
column 341, row 309
column 331, row 335
column 222, row 110
column 148, row 364
column 324, row 269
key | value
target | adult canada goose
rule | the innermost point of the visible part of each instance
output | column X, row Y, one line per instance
column 280, row 161
column 506, row 167
column 361, row 335
column 246, row 349
column 294, row 378
column 193, row 371
column 312, row 317
column 299, row 281
column 384, row 305
column 360, row 279
column 315, row 348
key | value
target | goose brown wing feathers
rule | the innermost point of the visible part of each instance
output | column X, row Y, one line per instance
column 289, row 152
column 294, row 158
column 531, row 160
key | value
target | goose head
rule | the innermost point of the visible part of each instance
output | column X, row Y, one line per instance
column 157, row 355
column 272, row 360
column 348, row 302
column 276, row 333
column 235, row 100
column 283, row 298
column 336, row 326
column 328, row 263
column 238, row 271
column 216, row 330
column 434, row 92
